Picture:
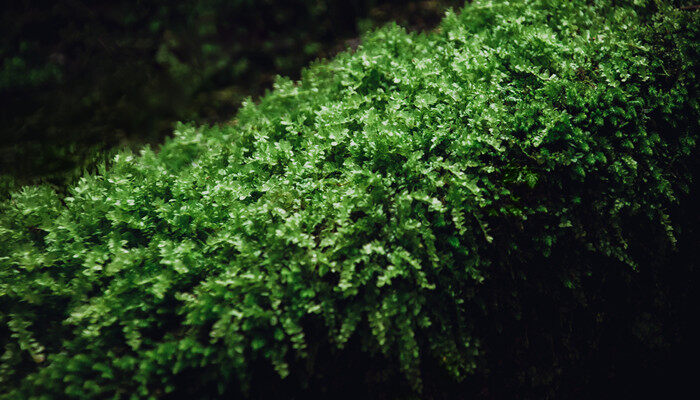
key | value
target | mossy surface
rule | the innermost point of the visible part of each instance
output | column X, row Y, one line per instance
column 494, row 203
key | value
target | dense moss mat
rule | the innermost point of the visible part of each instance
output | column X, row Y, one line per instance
column 501, row 208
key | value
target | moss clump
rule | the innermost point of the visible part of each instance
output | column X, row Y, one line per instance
column 429, row 208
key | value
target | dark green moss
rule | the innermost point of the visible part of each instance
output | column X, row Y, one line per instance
column 487, row 209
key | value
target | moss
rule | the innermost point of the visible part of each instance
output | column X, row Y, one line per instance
column 471, row 205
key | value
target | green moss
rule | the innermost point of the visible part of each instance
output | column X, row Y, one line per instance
column 427, row 204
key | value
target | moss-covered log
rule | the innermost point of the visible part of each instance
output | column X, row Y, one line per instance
column 494, row 207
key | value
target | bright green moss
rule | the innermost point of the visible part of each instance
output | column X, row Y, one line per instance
column 407, row 199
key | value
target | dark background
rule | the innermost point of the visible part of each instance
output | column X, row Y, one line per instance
column 79, row 79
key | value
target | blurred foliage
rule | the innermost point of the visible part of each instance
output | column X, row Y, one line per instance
column 80, row 77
